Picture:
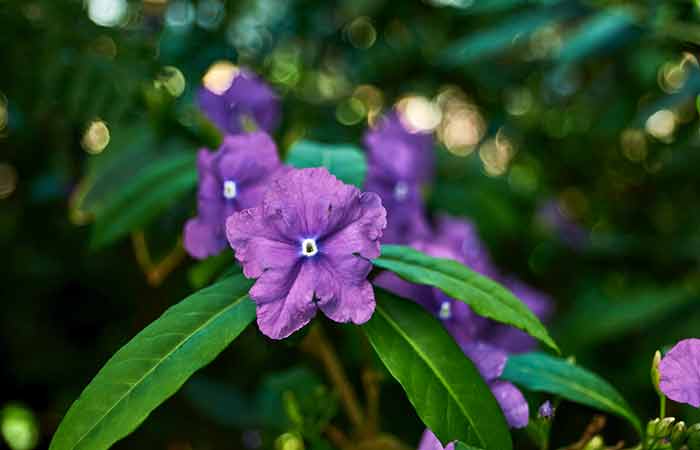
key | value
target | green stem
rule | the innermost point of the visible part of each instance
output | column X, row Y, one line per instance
column 662, row 406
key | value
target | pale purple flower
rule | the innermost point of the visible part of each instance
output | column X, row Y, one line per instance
column 309, row 244
column 430, row 442
column 247, row 99
column 680, row 373
column 461, row 235
column 399, row 163
column 546, row 410
column 231, row 179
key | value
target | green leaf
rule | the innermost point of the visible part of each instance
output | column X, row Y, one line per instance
column 144, row 196
column 463, row 446
column 346, row 162
column 501, row 37
column 486, row 297
column 544, row 373
column 604, row 31
column 615, row 314
column 443, row 385
column 154, row 364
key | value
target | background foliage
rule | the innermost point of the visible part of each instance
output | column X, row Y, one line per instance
column 573, row 145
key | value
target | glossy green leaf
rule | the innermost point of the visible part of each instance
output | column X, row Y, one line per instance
column 346, row 162
column 145, row 195
column 154, row 364
column 486, row 297
column 544, row 373
column 463, row 446
column 443, row 385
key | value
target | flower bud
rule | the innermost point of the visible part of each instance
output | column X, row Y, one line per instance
column 678, row 434
column 651, row 427
column 663, row 429
column 655, row 374
column 693, row 434
column 597, row 443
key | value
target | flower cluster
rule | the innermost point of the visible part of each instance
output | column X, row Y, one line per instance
column 304, row 235
column 400, row 158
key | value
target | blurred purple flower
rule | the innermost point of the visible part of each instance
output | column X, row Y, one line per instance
column 470, row 331
column 248, row 98
column 680, row 373
column 511, row 339
column 430, row 442
column 231, row 179
column 546, row 410
column 399, row 163
column 461, row 235
column 570, row 232
column 309, row 244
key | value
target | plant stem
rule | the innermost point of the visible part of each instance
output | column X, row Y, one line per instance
column 316, row 344
column 662, row 406
column 155, row 273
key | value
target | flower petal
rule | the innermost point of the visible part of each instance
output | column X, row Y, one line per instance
column 680, row 372
column 367, row 220
column 282, row 316
column 201, row 239
column 512, row 402
column 258, row 246
column 343, row 292
column 430, row 442
column 489, row 360
column 247, row 158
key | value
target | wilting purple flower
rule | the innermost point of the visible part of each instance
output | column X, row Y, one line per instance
column 247, row 99
column 546, row 410
column 470, row 331
column 680, row 372
column 400, row 161
column 309, row 245
column 430, row 442
column 231, row 179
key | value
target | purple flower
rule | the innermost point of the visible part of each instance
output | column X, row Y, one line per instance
column 399, row 163
column 511, row 339
column 470, row 331
column 546, row 410
column 680, row 373
column 430, row 442
column 230, row 180
column 461, row 235
column 309, row 245
column 247, row 99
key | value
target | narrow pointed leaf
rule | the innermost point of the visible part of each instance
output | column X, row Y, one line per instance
column 147, row 193
column 541, row 372
column 486, row 297
column 155, row 364
column 346, row 162
column 443, row 385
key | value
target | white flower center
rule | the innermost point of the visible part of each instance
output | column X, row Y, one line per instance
column 230, row 190
column 400, row 191
column 309, row 247
column 445, row 310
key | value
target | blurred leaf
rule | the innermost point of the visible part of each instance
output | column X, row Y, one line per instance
column 544, row 373
column 481, row 44
column 203, row 272
column 346, row 162
column 634, row 309
column 151, row 190
column 154, row 364
column 486, row 297
column 606, row 30
column 441, row 382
